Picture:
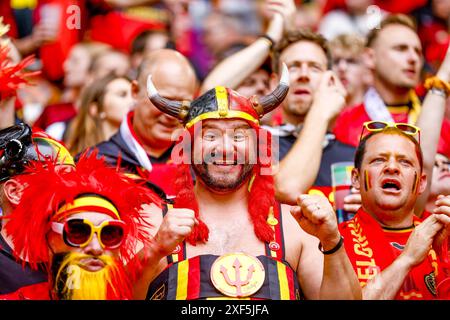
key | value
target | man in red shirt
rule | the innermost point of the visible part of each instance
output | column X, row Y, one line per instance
column 394, row 54
column 389, row 247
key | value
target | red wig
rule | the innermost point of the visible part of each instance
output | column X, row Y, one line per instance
column 49, row 187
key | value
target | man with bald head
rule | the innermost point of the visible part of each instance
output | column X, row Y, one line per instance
column 144, row 140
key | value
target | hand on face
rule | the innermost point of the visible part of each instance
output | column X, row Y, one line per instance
column 176, row 226
column 330, row 95
column 316, row 216
column 353, row 201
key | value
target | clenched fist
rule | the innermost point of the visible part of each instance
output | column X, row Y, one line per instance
column 316, row 216
column 175, row 227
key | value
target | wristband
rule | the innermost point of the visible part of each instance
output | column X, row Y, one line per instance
column 336, row 247
column 270, row 40
column 439, row 92
column 436, row 83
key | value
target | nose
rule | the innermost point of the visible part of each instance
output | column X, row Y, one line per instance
column 413, row 56
column 94, row 247
column 391, row 167
column 225, row 147
column 303, row 73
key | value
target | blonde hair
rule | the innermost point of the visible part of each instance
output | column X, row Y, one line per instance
column 348, row 42
column 393, row 19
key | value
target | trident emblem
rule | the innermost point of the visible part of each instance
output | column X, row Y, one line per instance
column 240, row 285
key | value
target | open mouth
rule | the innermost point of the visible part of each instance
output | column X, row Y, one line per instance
column 391, row 185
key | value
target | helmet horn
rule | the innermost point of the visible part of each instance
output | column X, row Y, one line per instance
column 174, row 108
column 269, row 102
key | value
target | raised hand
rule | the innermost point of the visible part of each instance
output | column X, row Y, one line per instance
column 420, row 240
column 353, row 201
column 176, row 226
column 316, row 216
column 329, row 98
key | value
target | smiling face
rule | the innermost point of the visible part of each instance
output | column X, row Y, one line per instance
column 228, row 154
column 390, row 177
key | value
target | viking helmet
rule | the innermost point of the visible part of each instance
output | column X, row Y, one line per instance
column 220, row 103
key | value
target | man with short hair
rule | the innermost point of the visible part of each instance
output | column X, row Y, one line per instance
column 84, row 226
column 346, row 55
column 144, row 141
column 18, row 147
column 394, row 55
column 227, row 236
column 315, row 98
column 390, row 248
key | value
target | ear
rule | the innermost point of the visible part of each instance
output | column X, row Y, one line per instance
column 355, row 179
column 368, row 57
column 13, row 191
column 422, row 183
column 134, row 88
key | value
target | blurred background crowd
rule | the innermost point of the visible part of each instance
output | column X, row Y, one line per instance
column 89, row 51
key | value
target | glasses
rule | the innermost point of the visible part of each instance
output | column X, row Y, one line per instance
column 79, row 232
column 376, row 126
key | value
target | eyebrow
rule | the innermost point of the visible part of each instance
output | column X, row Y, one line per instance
column 241, row 126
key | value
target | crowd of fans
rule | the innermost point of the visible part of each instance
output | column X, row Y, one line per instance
column 349, row 62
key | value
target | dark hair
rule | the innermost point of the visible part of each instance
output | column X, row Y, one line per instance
column 399, row 19
column 297, row 36
column 361, row 149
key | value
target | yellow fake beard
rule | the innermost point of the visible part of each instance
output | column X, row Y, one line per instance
column 81, row 284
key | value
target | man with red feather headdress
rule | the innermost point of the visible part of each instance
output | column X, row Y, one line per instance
column 227, row 237
column 83, row 225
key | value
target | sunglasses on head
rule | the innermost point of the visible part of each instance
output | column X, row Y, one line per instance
column 79, row 232
column 376, row 126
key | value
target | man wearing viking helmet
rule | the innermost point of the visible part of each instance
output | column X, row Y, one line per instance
column 227, row 237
